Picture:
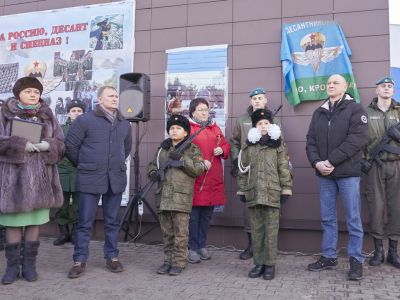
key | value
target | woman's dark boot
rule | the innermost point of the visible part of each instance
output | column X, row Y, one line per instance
column 63, row 237
column 379, row 255
column 12, row 253
column 30, row 253
column 392, row 257
column 248, row 252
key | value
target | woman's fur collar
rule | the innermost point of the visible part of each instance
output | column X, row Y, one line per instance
column 10, row 110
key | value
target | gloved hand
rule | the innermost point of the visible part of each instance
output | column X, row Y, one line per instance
column 394, row 133
column 43, row 146
column 242, row 198
column 176, row 163
column 235, row 169
column 154, row 176
column 31, row 147
column 175, row 155
column 284, row 198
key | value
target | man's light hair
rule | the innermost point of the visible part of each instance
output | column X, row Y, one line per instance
column 104, row 87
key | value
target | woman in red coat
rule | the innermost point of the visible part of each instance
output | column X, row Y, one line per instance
column 209, row 188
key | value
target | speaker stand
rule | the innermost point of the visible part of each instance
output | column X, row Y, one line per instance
column 131, row 215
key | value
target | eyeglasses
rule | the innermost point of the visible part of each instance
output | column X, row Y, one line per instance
column 203, row 110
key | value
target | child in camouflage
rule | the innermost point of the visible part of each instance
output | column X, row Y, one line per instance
column 174, row 194
column 265, row 183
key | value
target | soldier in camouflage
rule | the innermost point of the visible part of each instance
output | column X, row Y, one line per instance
column 174, row 194
column 266, row 182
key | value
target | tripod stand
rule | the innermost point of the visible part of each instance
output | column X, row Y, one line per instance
column 131, row 214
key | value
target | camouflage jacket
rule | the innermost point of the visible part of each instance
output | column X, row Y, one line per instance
column 175, row 192
column 268, row 176
column 378, row 123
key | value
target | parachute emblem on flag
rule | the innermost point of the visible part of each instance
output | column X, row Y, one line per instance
column 315, row 52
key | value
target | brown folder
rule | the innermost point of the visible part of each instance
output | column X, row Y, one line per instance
column 32, row 131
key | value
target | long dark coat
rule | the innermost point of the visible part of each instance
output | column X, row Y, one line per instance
column 29, row 181
column 98, row 149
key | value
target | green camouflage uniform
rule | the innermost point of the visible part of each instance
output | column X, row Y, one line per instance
column 262, row 185
column 174, row 197
column 66, row 214
column 382, row 189
column 237, row 142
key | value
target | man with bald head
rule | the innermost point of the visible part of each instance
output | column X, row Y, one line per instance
column 337, row 133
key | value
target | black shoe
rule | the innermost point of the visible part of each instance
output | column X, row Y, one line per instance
column 379, row 256
column 63, row 237
column 175, row 271
column 323, row 263
column 164, row 269
column 114, row 265
column 248, row 252
column 355, row 272
column 257, row 271
column 269, row 273
column 392, row 257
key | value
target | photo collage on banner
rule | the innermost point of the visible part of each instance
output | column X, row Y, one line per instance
column 194, row 72
column 72, row 51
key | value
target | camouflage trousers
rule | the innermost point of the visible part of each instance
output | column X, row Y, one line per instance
column 175, row 229
column 264, row 230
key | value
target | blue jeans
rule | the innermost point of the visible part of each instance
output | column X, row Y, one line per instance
column 87, row 214
column 198, row 226
column 349, row 189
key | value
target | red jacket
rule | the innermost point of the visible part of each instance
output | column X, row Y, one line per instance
column 213, row 192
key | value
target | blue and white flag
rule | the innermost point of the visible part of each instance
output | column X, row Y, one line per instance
column 311, row 52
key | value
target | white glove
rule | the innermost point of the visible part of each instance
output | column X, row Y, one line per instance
column 31, row 147
column 42, row 146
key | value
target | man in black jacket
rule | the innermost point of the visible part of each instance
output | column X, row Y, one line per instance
column 98, row 144
column 337, row 133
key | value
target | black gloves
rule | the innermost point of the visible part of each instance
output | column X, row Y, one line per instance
column 365, row 166
column 154, row 176
column 242, row 198
column 284, row 198
column 235, row 169
column 176, row 163
column 175, row 155
column 394, row 133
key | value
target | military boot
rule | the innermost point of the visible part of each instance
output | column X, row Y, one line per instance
column 392, row 257
column 63, row 237
column 379, row 256
column 30, row 253
column 248, row 252
column 12, row 252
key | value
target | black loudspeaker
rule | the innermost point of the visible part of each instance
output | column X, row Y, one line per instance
column 134, row 96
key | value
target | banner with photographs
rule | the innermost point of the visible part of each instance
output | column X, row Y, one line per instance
column 198, row 72
column 394, row 20
column 72, row 51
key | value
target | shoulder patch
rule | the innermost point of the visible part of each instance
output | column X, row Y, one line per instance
column 364, row 119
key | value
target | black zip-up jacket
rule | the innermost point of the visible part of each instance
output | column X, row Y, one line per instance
column 338, row 136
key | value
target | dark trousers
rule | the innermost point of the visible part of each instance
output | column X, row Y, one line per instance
column 383, row 198
column 87, row 214
column 198, row 226
column 68, row 214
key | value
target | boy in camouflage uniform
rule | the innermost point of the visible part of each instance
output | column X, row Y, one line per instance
column 175, row 192
column 266, row 182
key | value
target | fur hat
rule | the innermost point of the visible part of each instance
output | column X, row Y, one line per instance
column 76, row 103
column 261, row 114
column 24, row 83
column 180, row 121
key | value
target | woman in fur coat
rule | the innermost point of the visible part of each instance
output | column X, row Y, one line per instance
column 30, row 185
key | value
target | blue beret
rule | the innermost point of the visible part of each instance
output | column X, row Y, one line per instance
column 257, row 91
column 385, row 80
